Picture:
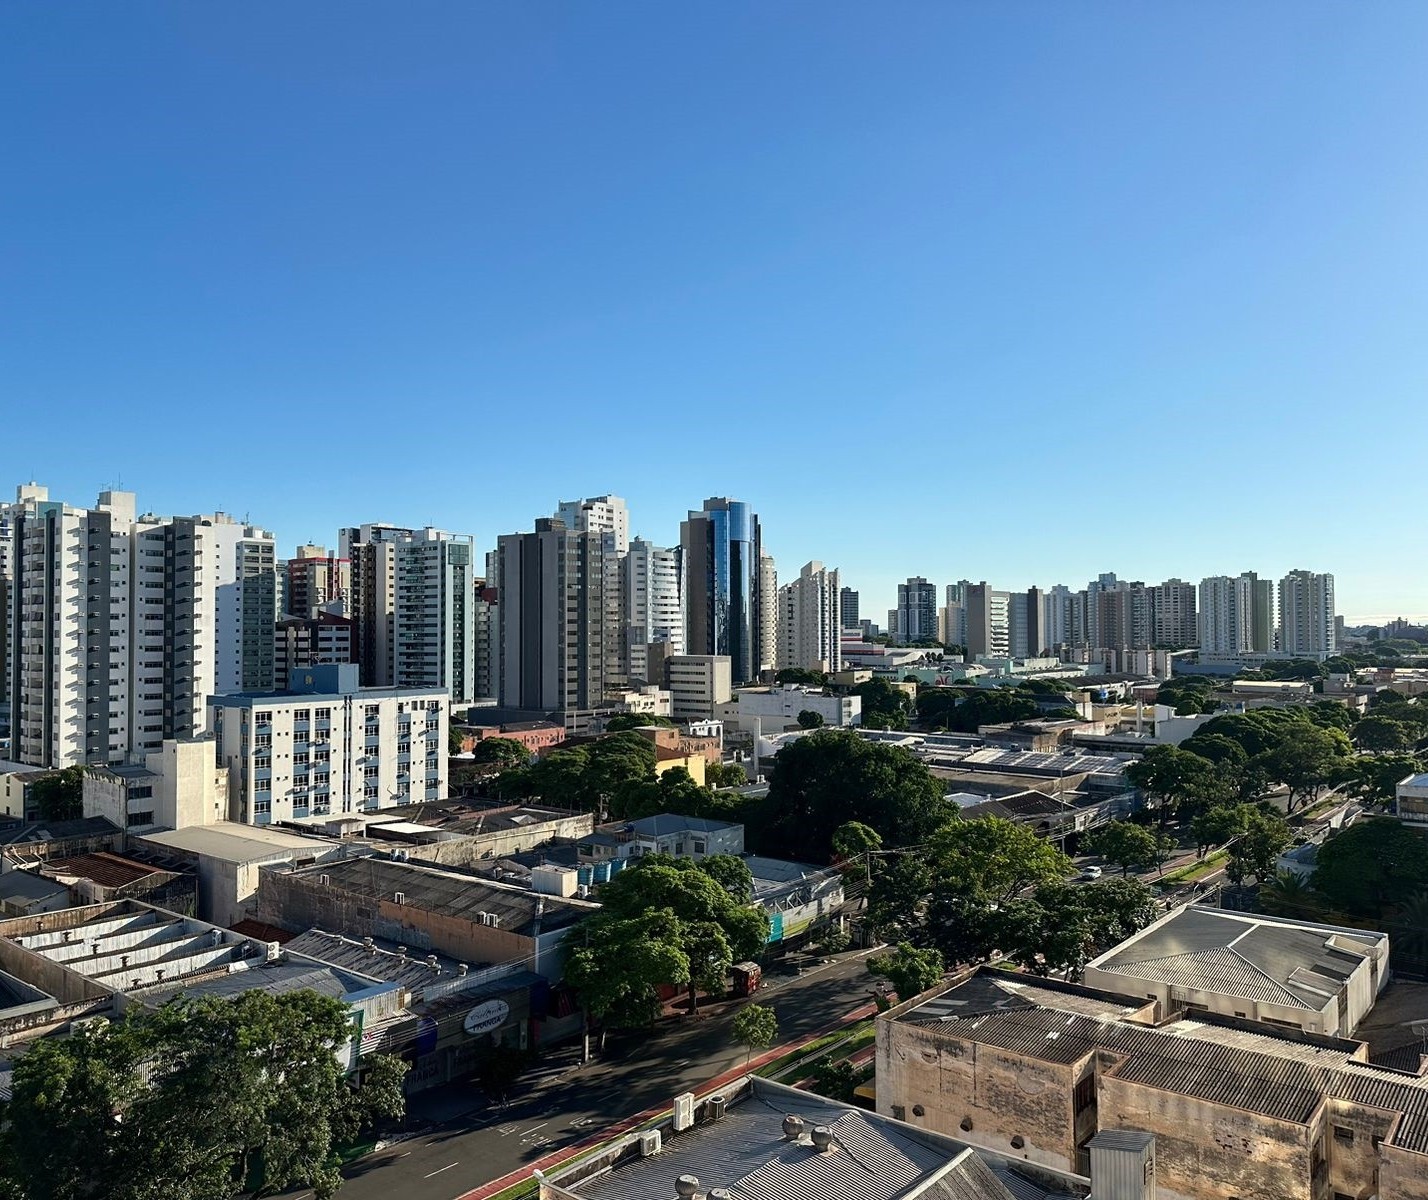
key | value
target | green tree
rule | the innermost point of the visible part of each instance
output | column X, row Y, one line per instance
column 909, row 970
column 990, row 706
column 808, row 719
column 1263, row 837
column 884, row 706
column 994, row 858
column 1216, row 826
column 965, row 927
column 821, row 781
column 725, row 775
column 501, row 752
column 1376, row 776
column 650, row 952
column 852, row 839
column 188, row 1101
column 1169, row 777
column 625, row 721
column 732, row 874
column 1060, row 927
column 1128, row 845
column 611, row 761
column 1370, row 865
column 896, row 893
column 1308, row 760
column 1288, row 895
column 59, row 794
column 801, row 677
column 755, row 1027
column 455, row 741
column 699, row 906
column 835, row 1079
column 1384, row 735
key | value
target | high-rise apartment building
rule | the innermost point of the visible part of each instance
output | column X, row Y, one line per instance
column 486, row 622
column 1026, row 623
column 1173, row 603
column 1125, row 617
column 122, row 626
column 599, row 514
column 652, row 598
column 988, row 621
column 768, row 612
column 848, row 608
column 1306, row 614
column 810, row 621
column 724, row 585
column 412, row 597
column 952, row 623
column 555, row 643
column 1226, row 615
column 917, row 610
column 302, row 642
column 1263, row 634
column 317, row 582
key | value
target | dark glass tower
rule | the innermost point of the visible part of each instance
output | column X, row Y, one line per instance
column 721, row 546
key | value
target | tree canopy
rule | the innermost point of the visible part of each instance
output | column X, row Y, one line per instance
column 209, row 1094
column 908, row 969
column 1129, row 845
column 665, row 921
column 755, row 1027
column 829, row 777
column 59, row 795
column 1371, row 865
column 625, row 721
column 501, row 752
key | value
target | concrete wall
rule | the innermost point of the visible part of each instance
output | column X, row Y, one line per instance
column 1402, row 1175
column 501, row 843
column 1210, row 1151
column 1003, row 1094
column 190, row 789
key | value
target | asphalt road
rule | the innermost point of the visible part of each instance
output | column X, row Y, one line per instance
column 634, row 1074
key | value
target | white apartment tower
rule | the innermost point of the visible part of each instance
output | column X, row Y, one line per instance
column 412, row 603
column 810, row 620
column 1306, row 614
column 652, row 597
column 123, row 625
column 608, row 519
column 599, row 514
column 1226, row 614
column 1174, row 608
column 768, row 612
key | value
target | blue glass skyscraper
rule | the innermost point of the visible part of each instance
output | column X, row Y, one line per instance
column 721, row 546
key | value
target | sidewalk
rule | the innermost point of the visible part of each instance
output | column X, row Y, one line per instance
column 566, row 1153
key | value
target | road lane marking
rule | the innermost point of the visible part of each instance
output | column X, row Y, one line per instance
column 439, row 1170
column 533, row 1128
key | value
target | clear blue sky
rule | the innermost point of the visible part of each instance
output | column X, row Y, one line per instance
column 1022, row 292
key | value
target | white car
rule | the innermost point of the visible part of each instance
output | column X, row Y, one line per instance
column 1090, row 873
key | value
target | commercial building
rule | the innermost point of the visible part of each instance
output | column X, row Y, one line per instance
column 1410, row 804
column 559, row 650
column 652, row 596
column 471, row 920
column 1038, row 1069
column 810, row 622
column 917, row 610
column 754, row 1138
column 302, row 642
column 1318, row 978
column 725, row 585
column 1306, row 614
column 328, row 746
column 776, row 709
column 317, row 582
column 698, row 684
column 121, row 626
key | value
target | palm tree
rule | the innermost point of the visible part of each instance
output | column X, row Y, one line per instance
column 1287, row 895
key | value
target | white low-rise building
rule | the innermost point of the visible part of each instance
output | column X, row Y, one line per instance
column 328, row 746
column 778, row 708
column 1410, row 803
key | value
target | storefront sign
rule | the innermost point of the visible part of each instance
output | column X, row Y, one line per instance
column 486, row 1017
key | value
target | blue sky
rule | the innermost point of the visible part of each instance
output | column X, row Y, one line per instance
column 1022, row 292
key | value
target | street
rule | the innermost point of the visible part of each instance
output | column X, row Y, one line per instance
column 637, row 1072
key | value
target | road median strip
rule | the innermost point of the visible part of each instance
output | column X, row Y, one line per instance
column 521, row 1182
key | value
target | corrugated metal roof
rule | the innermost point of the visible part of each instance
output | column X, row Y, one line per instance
column 1282, row 1078
column 1217, row 970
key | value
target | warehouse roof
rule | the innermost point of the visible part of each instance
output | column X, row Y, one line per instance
column 1294, row 964
column 448, row 893
column 1283, row 1076
column 229, row 841
column 870, row 1158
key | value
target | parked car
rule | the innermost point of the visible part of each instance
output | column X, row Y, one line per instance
column 1090, row 873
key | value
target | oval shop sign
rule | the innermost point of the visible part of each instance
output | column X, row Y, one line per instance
column 486, row 1017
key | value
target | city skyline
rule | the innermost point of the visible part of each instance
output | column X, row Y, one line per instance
column 1169, row 284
